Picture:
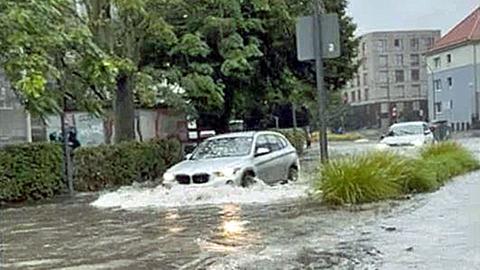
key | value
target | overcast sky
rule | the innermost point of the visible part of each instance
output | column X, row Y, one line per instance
column 376, row 15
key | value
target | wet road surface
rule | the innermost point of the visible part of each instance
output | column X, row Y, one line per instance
column 232, row 228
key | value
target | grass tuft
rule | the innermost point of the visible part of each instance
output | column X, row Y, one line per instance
column 378, row 176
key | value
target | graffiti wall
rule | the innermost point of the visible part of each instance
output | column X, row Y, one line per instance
column 90, row 129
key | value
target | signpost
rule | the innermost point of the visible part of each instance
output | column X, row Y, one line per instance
column 318, row 38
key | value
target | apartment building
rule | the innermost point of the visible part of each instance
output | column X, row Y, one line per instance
column 454, row 75
column 391, row 83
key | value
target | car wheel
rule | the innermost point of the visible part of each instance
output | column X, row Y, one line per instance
column 248, row 179
column 293, row 174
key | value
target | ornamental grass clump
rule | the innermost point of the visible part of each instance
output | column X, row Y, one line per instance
column 378, row 176
column 361, row 179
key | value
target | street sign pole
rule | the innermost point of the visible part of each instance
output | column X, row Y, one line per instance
column 320, row 82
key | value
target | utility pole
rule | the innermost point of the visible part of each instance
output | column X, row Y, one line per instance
column 320, row 82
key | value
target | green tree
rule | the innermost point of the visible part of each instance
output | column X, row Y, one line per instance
column 48, row 55
column 123, row 28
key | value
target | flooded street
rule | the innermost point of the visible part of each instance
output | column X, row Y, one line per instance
column 259, row 228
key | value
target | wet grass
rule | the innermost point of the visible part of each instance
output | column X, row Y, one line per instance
column 378, row 176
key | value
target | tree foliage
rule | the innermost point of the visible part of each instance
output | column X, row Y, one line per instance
column 225, row 58
column 48, row 53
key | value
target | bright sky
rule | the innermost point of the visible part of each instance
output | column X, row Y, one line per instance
column 377, row 15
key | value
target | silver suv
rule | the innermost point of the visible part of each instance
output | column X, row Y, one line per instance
column 237, row 158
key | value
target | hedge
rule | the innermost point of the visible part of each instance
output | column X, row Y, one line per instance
column 34, row 171
column 109, row 166
column 30, row 171
column 297, row 138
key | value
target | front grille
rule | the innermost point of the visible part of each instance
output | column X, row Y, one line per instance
column 400, row 144
column 201, row 178
column 183, row 179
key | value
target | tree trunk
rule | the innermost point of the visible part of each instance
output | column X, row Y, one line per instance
column 227, row 110
column 124, row 110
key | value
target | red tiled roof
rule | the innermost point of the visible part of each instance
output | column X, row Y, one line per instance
column 466, row 30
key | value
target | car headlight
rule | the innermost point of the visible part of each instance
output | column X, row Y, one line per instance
column 418, row 143
column 168, row 177
column 382, row 146
column 228, row 172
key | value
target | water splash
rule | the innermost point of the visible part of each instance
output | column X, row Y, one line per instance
column 182, row 196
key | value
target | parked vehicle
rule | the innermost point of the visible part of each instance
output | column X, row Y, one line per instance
column 237, row 158
column 408, row 134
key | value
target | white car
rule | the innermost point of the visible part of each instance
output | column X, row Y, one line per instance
column 408, row 134
column 237, row 158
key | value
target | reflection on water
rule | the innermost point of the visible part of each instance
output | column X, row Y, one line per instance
column 232, row 232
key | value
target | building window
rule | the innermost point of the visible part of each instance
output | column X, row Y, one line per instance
column 449, row 58
column 381, row 45
column 384, row 108
column 415, row 60
column 383, row 93
column 5, row 104
column 437, row 85
column 352, row 96
column 383, row 60
column 438, row 62
column 416, row 90
column 428, row 42
column 364, row 65
column 415, row 75
column 450, row 105
column 400, row 91
column 364, row 49
column 365, row 79
column 399, row 76
column 366, row 94
column 416, row 105
column 399, row 59
column 398, row 43
column 359, row 95
column 449, row 82
column 414, row 44
column 383, row 76
column 438, row 107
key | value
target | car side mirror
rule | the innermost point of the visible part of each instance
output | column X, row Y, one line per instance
column 188, row 156
column 382, row 137
column 262, row 151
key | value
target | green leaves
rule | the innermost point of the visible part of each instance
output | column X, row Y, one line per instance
column 191, row 45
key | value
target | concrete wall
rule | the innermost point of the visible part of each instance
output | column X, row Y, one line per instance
column 13, row 126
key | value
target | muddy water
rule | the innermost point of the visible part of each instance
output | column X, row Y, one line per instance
column 262, row 228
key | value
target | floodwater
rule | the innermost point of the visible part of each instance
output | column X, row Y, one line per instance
column 263, row 227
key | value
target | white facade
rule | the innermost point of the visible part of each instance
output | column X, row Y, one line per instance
column 454, row 77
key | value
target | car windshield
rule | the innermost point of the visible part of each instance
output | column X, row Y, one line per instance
column 224, row 147
column 404, row 130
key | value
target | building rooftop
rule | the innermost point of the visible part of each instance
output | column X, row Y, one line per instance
column 467, row 30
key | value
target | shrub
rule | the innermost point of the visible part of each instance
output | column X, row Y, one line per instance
column 30, row 171
column 108, row 166
column 297, row 137
column 360, row 179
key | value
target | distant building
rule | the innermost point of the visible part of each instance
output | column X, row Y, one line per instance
column 454, row 75
column 15, row 123
column 391, row 83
